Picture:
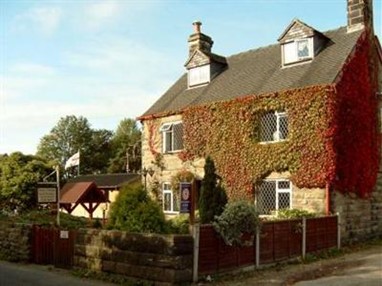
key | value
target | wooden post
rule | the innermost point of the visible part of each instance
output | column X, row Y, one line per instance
column 196, row 235
column 193, row 202
column 257, row 247
column 338, row 231
column 303, row 237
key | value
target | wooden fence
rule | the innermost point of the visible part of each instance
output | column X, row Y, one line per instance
column 276, row 241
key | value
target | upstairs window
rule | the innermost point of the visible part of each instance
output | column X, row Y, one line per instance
column 273, row 195
column 198, row 75
column 298, row 50
column 172, row 137
column 274, row 127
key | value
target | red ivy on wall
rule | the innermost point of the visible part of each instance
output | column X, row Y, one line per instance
column 357, row 141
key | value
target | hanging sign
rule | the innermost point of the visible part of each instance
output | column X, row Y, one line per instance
column 46, row 192
column 185, row 197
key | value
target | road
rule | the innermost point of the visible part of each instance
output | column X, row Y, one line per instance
column 359, row 268
column 366, row 270
column 35, row 275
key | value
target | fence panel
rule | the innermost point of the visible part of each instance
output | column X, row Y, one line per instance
column 279, row 240
column 321, row 233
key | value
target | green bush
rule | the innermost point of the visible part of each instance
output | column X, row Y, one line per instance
column 293, row 213
column 238, row 218
column 135, row 211
column 179, row 224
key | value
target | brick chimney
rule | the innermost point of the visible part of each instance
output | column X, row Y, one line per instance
column 360, row 15
column 198, row 40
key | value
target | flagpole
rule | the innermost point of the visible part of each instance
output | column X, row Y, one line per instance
column 58, row 194
column 79, row 161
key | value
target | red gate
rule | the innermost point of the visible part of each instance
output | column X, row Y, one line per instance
column 53, row 246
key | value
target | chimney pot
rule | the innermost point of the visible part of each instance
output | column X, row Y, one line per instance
column 197, row 25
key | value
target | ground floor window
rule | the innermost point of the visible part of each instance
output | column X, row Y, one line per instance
column 170, row 199
column 273, row 195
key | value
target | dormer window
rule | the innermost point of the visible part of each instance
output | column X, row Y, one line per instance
column 297, row 51
column 199, row 75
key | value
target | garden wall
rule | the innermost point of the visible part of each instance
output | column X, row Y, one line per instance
column 166, row 259
column 361, row 219
column 278, row 241
column 15, row 242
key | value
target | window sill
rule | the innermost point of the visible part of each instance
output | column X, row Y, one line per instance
column 273, row 142
column 171, row 212
column 172, row 152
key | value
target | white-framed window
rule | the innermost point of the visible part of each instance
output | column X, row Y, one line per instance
column 273, row 195
column 172, row 137
column 297, row 50
column 274, row 127
column 199, row 75
column 170, row 200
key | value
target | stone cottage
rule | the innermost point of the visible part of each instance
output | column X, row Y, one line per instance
column 291, row 125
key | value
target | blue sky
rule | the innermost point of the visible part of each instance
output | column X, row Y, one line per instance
column 108, row 60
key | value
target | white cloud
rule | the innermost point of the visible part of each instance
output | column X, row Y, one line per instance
column 42, row 19
column 32, row 69
column 101, row 13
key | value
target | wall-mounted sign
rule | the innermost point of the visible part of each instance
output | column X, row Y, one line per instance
column 185, row 197
column 46, row 192
column 64, row 234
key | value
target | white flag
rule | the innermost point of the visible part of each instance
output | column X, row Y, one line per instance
column 73, row 161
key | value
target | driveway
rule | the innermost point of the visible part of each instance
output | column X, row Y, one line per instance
column 36, row 275
column 362, row 267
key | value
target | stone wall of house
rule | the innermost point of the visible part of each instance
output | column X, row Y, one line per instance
column 169, row 164
column 166, row 259
column 15, row 242
column 313, row 200
column 361, row 219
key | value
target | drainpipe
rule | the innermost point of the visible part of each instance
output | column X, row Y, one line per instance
column 327, row 196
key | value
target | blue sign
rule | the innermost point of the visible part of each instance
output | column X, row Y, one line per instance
column 185, row 197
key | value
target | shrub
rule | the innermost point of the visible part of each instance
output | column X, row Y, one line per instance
column 238, row 218
column 179, row 224
column 293, row 213
column 135, row 211
column 212, row 196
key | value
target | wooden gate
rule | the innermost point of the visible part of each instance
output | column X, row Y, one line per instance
column 53, row 246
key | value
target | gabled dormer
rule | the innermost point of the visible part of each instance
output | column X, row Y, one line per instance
column 202, row 65
column 300, row 43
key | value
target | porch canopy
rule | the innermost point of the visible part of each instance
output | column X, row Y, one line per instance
column 85, row 194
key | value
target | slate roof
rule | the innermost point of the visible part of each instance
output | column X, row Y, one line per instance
column 259, row 71
column 103, row 181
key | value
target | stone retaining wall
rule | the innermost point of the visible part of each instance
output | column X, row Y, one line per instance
column 166, row 259
column 15, row 242
column 361, row 219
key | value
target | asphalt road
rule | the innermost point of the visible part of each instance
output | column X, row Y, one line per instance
column 36, row 275
column 366, row 270
column 359, row 268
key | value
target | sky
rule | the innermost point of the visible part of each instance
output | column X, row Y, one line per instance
column 112, row 59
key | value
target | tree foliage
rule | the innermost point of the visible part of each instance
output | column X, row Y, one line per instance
column 126, row 145
column 135, row 211
column 72, row 134
column 19, row 175
column 212, row 197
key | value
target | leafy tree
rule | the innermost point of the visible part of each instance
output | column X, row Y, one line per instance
column 126, row 145
column 212, row 195
column 19, row 175
column 101, row 150
column 72, row 134
column 135, row 211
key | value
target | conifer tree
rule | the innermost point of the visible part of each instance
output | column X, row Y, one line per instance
column 213, row 197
